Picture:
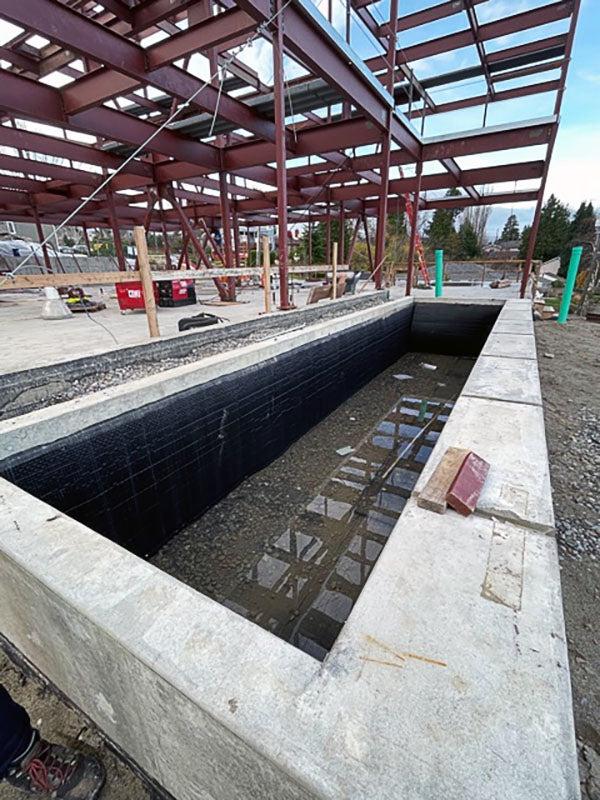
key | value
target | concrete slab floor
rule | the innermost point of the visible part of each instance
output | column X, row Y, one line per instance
column 52, row 341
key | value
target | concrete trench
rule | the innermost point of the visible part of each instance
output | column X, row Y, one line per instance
column 449, row 676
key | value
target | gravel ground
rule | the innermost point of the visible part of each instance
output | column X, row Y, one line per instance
column 570, row 388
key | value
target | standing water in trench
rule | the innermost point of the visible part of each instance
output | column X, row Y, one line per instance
column 292, row 546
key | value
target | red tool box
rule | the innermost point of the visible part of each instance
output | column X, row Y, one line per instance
column 168, row 294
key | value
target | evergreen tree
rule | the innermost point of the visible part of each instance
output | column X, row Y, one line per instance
column 582, row 231
column 468, row 242
column 319, row 241
column 441, row 233
column 553, row 233
column 510, row 232
column 525, row 233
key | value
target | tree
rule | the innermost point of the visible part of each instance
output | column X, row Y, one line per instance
column 319, row 241
column 468, row 242
column 510, row 232
column 524, row 244
column 582, row 232
column 478, row 216
column 441, row 233
column 554, row 231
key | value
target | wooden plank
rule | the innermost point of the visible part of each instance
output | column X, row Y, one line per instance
column 433, row 496
column 266, row 260
column 20, row 281
column 467, row 485
column 139, row 235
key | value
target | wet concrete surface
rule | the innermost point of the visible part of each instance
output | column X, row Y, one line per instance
column 292, row 546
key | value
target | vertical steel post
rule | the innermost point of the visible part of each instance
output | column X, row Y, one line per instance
column 116, row 232
column 368, row 243
column 310, row 243
column 163, row 227
column 328, row 235
column 412, row 245
column 280, row 153
column 386, row 149
column 86, row 239
column 40, row 234
column 342, row 234
column 236, row 238
column 226, row 225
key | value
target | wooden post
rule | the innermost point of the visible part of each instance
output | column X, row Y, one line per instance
column 266, row 263
column 334, row 271
column 139, row 235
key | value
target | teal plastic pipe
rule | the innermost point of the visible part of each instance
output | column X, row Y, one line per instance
column 439, row 272
column 569, row 284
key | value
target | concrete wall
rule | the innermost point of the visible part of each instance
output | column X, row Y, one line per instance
column 450, row 679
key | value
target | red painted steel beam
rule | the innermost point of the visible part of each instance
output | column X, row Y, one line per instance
column 310, row 42
column 64, row 148
column 492, row 30
column 431, row 14
column 484, row 200
column 151, row 14
column 442, row 180
column 33, row 100
column 211, row 32
column 73, row 30
column 479, row 100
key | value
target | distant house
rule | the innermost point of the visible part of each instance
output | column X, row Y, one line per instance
column 508, row 250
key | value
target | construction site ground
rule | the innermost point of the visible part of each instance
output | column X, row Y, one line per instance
column 569, row 360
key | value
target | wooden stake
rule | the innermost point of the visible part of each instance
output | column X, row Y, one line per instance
column 139, row 235
column 266, row 263
column 334, row 271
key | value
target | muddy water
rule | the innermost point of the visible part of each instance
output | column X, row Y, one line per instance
column 292, row 546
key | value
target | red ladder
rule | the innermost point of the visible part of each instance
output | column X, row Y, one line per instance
column 418, row 243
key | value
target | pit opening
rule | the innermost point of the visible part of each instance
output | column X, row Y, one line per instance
column 242, row 486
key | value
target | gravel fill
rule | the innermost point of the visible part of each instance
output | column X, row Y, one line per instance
column 23, row 392
column 571, row 392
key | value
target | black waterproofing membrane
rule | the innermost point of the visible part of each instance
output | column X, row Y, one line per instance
column 142, row 476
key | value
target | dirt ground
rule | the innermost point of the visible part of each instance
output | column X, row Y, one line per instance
column 62, row 724
column 571, row 391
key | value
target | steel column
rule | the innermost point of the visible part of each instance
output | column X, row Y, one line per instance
column 40, row 233
column 226, row 225
column 116, row 232
column 281, row 155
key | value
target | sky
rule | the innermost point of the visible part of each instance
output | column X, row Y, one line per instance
column 575, row 169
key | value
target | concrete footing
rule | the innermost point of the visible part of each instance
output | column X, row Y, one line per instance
column 450, row 678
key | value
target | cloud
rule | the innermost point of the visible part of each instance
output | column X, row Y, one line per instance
column 575, row 168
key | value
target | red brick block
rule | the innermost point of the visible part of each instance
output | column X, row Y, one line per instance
column 467, row 485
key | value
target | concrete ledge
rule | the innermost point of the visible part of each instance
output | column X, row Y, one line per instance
column 511, row 437
column 511, row 379
column 514, row 326
column 510, row 345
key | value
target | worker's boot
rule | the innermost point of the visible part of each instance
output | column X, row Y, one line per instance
column 51, row 771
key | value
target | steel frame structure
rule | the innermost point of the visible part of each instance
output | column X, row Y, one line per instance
column 348, row 124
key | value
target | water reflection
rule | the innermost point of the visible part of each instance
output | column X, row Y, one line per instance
column 304, row 588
